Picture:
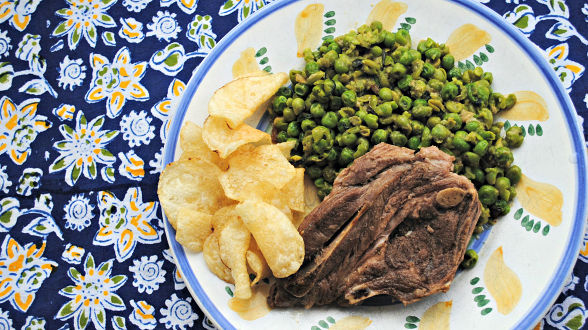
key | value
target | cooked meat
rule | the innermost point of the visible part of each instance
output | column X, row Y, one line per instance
column 396, row 223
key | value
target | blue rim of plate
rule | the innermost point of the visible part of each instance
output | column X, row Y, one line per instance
column 549, row 294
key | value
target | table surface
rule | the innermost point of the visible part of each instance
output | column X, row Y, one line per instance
column 61, row 265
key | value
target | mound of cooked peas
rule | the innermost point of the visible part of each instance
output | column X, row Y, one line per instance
column 369, row 86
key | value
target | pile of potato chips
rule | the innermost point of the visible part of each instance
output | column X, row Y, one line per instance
column 233, row 194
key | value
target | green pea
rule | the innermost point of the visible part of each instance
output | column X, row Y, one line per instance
column 385, row 94
column 317, row 110
column 417, row 127
column 376, row 51
column 334, row 46
column 398, row 139
column 478, row 92
column 343, row 124
column 307, row 125
column 428, row 71
column 398, row 70
column 345, row 157
column 371, row 120
column 279, row 103
column 341, row 66
column 301, row 89
column 282, row 136
column 417, row 88
column 361, row 114
column 471, row 159
column 433, row 53
column 488, row 77
column 289, row 115
column 439, row 133
column 499, row 208
column 514, row 174
column 414, row 142
column 460, row 144
column 425, row 44
column 514, row 137
column 432, row 121
column 404, row 124
column 329, row 120
column 293, row 130
column 503, row 156
column 473, row 126
column 284, row 91
column 379, row 136
column 405, row 103
column 363, row 146
column 280, row 124
column 298, row 105
column 406, row 58
column 481, row 148
column 488, row 195
column 479, row 175
column 452, row 121
column 404, row 83
column 389, row 39
column 422, row 111
column 470, row 259
column 349, row 98
column 311, row 67
column 454, row 107
column 426, row 137
column 508, row 102
column 492, row 174
column 454, row 73
column 348, row 138
column 403, row 37
column 503, row 184
column 449, row 91
column 384, row 109
column 440, row 74
column 314, row 172
column 448, row 62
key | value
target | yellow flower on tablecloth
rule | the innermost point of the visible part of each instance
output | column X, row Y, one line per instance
column 18, row 12
column 19, row 127
column 23, row 269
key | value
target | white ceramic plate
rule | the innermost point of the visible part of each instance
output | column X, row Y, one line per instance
column 525, row 258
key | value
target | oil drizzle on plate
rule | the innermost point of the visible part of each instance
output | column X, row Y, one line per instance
column 351, row 322
column 502, row 282
column 542, row 200
column 466, row 40
column 387, row 12
column 437, row 316
column 253, row 308
column 529, row 106
column 308, row 27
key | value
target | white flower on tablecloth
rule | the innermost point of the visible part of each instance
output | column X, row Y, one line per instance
column 157, row 162
column 92, row 294
column 82, row 19
column 83, row 148
column 164, row 26
column 4, row 181
column 119, row 323
column 73, row 254
column 200, row 31
column 178, row 314
column 165, row 109
column 28, row 47
column 78, row 213
column 71, row 73
column 135, row 5
column 179, row 283
column 125, row 223
column 34, row 323
column 5, row 321
column 142, row 315
column 571, row 283
column 5, row 45
column 137, row 128
column 131, row 30
column 187, row 6
column 585, row 12
column 570, row 311
column 132, row 166
column 148, row 274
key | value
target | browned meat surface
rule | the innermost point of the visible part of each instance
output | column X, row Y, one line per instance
column 396, row 223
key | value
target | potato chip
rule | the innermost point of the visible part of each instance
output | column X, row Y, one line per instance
column 221, row 217
column 191, row 183
column 240, row 98
column 192, row 228
column 221, row 138
column 311, row 199
column 293, row 192
column 252, row 169
column 286, row 147
column 213, row 259
column 256, row 262
column 233, row 243
column 277, row 238
column 297, row 218
column 193, row 146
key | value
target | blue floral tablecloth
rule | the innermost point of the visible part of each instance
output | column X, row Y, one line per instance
column 87, row 88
